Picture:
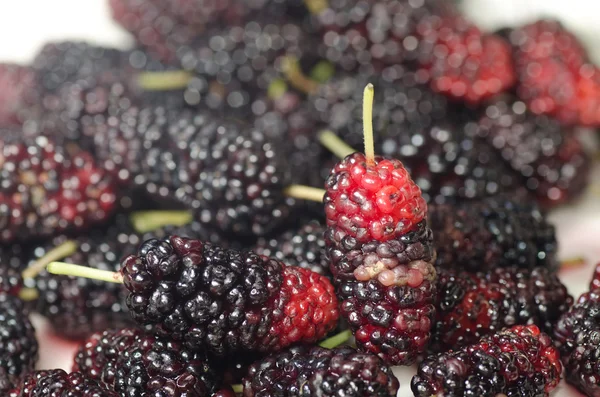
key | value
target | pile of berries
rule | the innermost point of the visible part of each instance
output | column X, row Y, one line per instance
column 225, row 208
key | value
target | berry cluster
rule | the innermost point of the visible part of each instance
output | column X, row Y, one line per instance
column 163, row 204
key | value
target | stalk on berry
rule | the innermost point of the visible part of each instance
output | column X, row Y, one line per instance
column 176, row 283
column 381, row 251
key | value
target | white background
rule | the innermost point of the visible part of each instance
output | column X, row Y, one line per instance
column 26, row 25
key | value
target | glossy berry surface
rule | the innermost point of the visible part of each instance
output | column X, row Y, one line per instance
column 520, row 361
column 577, row 334
column 470, row 306
column 96, row 357
column 46, row 191
column 152, row 366
column 365, row 37
column 548, row 159
column 317, row 371
column 58, row 383
column 381, row 252
column 229, row 174
column 482, row 235
column 226, row 301
column 372, row 202
column 18, row 343
column 302, row 246
column 423, row 129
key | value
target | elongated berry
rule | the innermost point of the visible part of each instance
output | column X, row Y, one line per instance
column 520, row 361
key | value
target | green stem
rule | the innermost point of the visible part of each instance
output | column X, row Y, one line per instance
column 147, row 221
column 65, row 249
column 68, row 269
column 293, row 74
column 164, row 81
column 316, row 6
column 322, row 72
column 336, row 340
column 335, row 144
column 237, row 389
column 302, row 192
column 28, row 294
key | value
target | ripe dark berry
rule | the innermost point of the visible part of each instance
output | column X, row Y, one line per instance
column 578, row 335
column 302, row 246
column 79, row 307
column 57, row 382
column 71, row 62
column 520, row 361
column 226, row 301
column 97, row 356
column 548, row 159
column 381, row 252
column 231, row 175
column 18, row 344
column 315, row 371
column 463, row 62
column 555, row 73
column 481, row 235
column 417, row 126
column 367, row 36
column 46, row 191
column 236, row 64
column 152, row 366
column 470, row 306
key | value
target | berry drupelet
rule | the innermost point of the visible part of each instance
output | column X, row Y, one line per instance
column 57, row 382
column 97, row 356
column 18, row 344
column 302, row 246
column 555, row 74
column 315, row 371
column 470, row 306
column 547, row 158
column 46, row 190
column 578, row 335
column 381, row 252
column 520, row 361
column 151, row 366
column 499, row 231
